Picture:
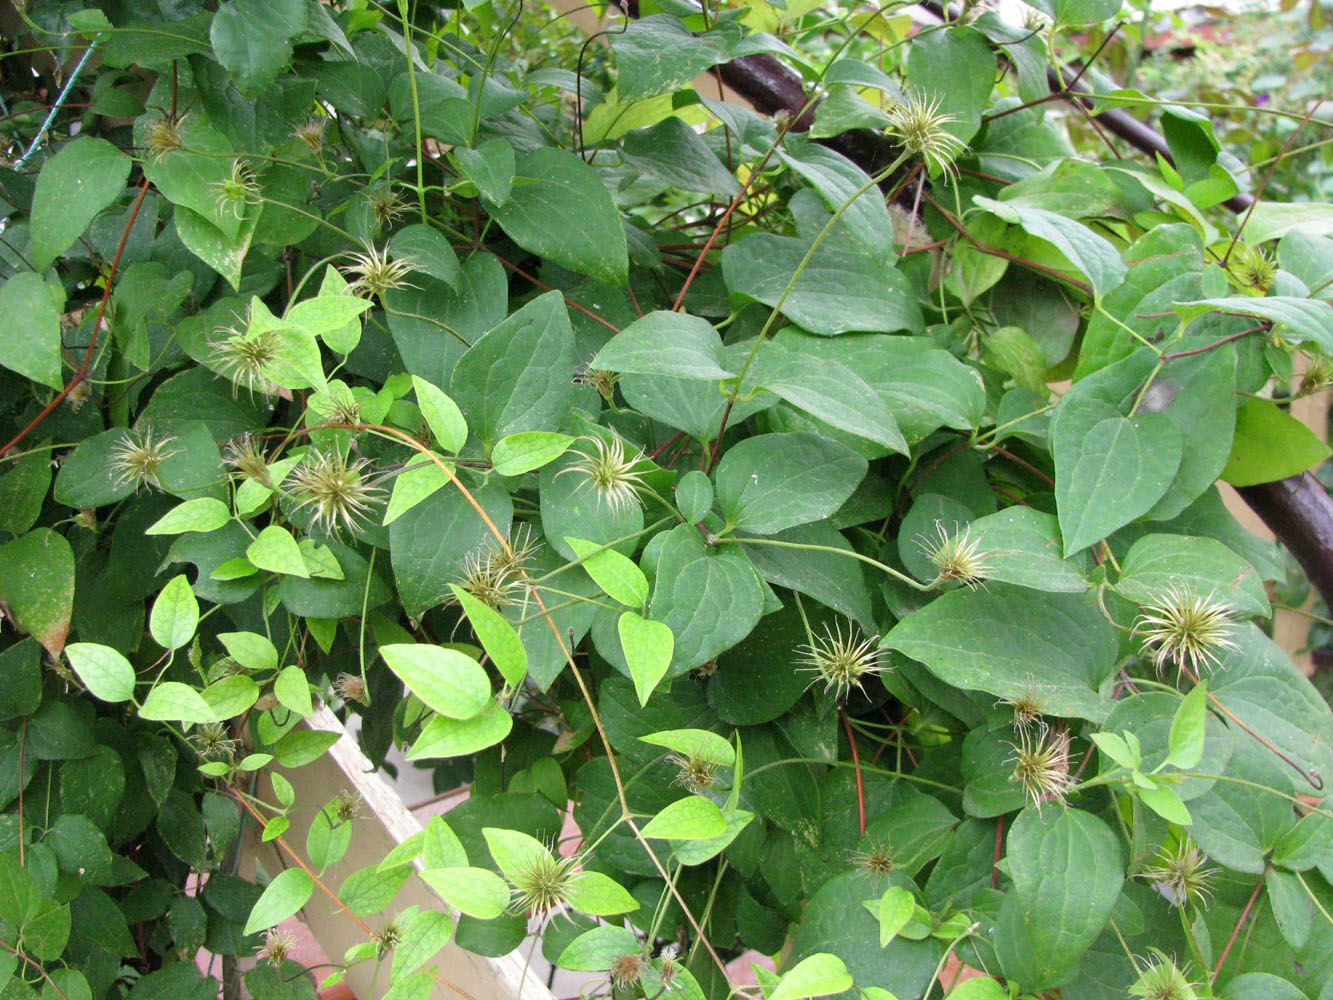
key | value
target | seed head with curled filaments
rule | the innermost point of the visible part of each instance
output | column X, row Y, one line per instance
column 1180, row 874
column 311, row 132
column 237, row 191
column 1162, row 980
column 603, row 381
column 875, row 859
column 279, row 945
column 1041, row 764
column 138, row 459
column 627, row 970
column 164, row 136
column 1028, row 704
column 543, row 883
column 919, row 124
column 610, row 472
column 1190, row 631
column 842, row 663
column 248, row 359
column 376, row 273
column 247, row 457
column 694, row 774
column 957, row 556
column 336, row 493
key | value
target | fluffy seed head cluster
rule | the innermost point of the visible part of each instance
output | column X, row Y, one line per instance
column 600, row 379
column 1252, row 269
column 248, row 359
column 212, row 741
column 957, row 556
column 1027, row 705
column 375, row 272
column 496, row 576
column 350, row 687
column 388, row 937
column 138, row 459
column 627, row 970
column 1318, row 375
column 247, row 457
column 237, row 190
column 1180, row 874
column 543, row 883
column 346, row 806
column 1041, row 764
column 164, row 136
column 1162, row 980
column 279, row 945
column 610, row 472
column 919, row 124
column 1183, row 628
column 842, row 662
column 311, row 132
column 385, row 204
column 336, row 492
column 875, row 859
column 694, row 774
column 668, row 959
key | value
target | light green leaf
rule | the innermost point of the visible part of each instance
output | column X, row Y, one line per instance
column 648, row 647
column 1300, row 320
column 325, row 313
column 1270, row 445
column 1116, row 748
column 774, row 481
column 599, row 895
column 895, row 908
column 1093, row 255
column 278, row 552
column 442, row 415
column 450, row 682
column 411, row 486
column 699, row 743
column 478, row 892
column 369, row 890
column 84, row 177
column 31, row 344
column 171, row 701
column 817, row 976
column 203, row 514
column 1166, row 802
column 444, row 737
column 666, row 343
column 596, row 950
column 690, row 818
column 37, row 586
column 231, row 697
column 103, row 670
column 520, row 453
column 250, row 649
column 293, row 690
column 175, row 614
column 497, row 637
column 224, row 254
column 696, row 852
column 617, row 575
column 422, row 939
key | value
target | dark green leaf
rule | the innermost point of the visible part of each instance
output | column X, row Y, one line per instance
column 37, row 586
column 776, row 481
column 31, row 346
column 84, row 177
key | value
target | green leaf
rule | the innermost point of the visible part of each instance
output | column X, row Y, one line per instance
column 450, row 682
column 1166, row 802
column 171, row 701
column 955, row 66
column 497, row 637
column 1117, row 749
column 659, row 55
column 1201, row 566
column 414, row 484
column 231, row 697
column 175, row 614
column 1299, row 320
column 1085, row 11
column 839, row 290
column 327, row 313
column 427, row 933
column 694, row 495
column 600, row 896
column 37, row 586
column 429, row 251
column 529, row 450
column 648, row 647
column 696, row 852
column 616, row 574
column 837, row 179
column 560, row 209
column 895, row 908
column 1110, row 472
column 1067, row 870
column 445, row 737
column 666, row 343
column 103, row 670
column 293, row 690
column 1308, row 843
column 1016, row 640
column 675, row 154
column 252, row 39
column 517, row 377
column 202, row 514
column 817, row 976
column 275, row 550
column 1270, row 445
column 698, row 743
column 23, row 489
column 1094, row 256
column 442, row 415
column 774, row 481
column 1023, row 546
column 490, row 167
column 369, row 890
column 478, row 892
column 31, row 345
column 290, row 890
column 222, row 252
column 596, row 950
column 690, row 818
column 85, row 176
column 250, row 649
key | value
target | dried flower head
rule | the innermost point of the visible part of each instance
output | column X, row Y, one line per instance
column 1041, row 763
column 919, row 125
column 388, row 937
column 1252, row 269
column 513, row 561
column 248, row 359
column 1028, row 705
column 78, row 395
column 385, row 204
column 350, row 687
column 1162, row 980
column 694, row 774
column 842, row 663
column 875, row 859
column 600, row 379
column 246, row 455
column 212, row 741
column 311, row 132
column 1317, row 377
column 336, row 492
column 237, row 191
column 1180, row 874
column 375, row 273
column 138, row 459
column 627, row 970
column 279, row 946
column 543, row 882
column 164, row 135
column 610, row 472
column 1190, row 631
column 668, row 958
column 345, row 807
column 957, row 556
column 488, row 578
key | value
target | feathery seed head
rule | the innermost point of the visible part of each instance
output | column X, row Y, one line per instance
column 610, row 472
column 311, row 132
column 1180, row 875
column 246, row 455
column 164, row 136
column 627, row 970
column 236, row 191
column 279, row 945
column 875, row 859
column 1041, row 764
column 376, row 273
column 919, row 125
column 350, row 687
column 957, row 557
column 248, row 359
column 138, row 458
column 842, row 663
column 694, row 774
column 600, row 379
column 1190, row 631
column 336, row 492
column 543, row 883
column 1162, row 980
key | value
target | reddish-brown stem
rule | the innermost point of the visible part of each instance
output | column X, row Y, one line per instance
column 665, row 445
column 82, row 373
column 856, row 763
column 568, row 301
column 1235, row 931
column 1215, row 343
column 36, row 965
column 1024, row 463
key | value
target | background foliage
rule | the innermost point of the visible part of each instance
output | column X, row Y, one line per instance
column 622, row 451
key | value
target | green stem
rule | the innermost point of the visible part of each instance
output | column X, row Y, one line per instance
column 405, row 16
column 849, row 553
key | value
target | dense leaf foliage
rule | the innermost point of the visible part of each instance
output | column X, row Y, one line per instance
column 637, row 459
